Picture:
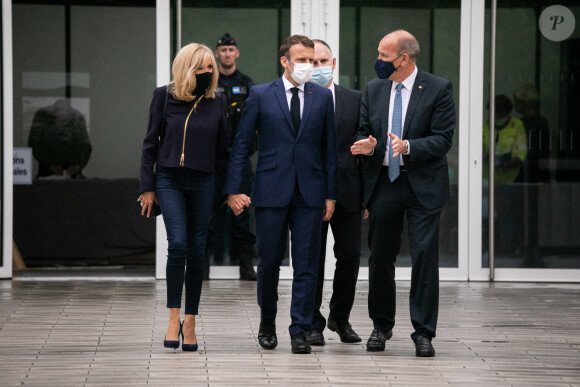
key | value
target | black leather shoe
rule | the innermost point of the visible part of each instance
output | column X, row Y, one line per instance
column 377, row 340
column 267, row 336
column 423, row 347
column 299, row 343
column 345, row 331
column 315, row 337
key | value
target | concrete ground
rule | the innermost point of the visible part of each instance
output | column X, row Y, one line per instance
column 110, row 332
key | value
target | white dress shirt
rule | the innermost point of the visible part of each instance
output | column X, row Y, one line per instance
column 405, row 96
column 287, row 87
column 331, row 88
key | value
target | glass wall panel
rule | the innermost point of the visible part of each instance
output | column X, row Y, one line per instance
column 536, row 135
column 84, row 74
column 258, row 28
column 436, row 25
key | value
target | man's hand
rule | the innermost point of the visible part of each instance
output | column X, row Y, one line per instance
column 329, row 210
column 399, row 146
column 238, row 202
column 364, row 147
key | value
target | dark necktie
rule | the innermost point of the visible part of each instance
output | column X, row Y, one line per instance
column 396, row 128
column 295, row 109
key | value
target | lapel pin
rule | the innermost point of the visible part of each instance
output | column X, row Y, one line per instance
column 420, row 87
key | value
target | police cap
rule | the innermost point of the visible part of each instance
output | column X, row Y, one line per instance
column 226, row 40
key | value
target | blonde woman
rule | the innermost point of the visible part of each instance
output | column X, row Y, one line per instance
column 186, row 143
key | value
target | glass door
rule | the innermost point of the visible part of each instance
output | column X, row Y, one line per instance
column 530, row 207
column 84, row 74
column 258, row 28
column 437, row 26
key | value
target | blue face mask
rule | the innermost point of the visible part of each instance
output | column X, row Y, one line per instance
column 500, row 123
column 385, row 69
column 322, row 75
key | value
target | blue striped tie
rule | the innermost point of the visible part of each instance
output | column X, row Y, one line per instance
column 396, row 128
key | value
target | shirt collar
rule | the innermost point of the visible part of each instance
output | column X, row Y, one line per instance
column 331, row 87
column 288, row 85
column 408, row 82
column 332, row 90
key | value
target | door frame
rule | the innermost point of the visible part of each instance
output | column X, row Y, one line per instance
column 327, row 12
column 7, row 138
column 475, row 16
column 470, row 116
column 163, row 49
column 302, row 15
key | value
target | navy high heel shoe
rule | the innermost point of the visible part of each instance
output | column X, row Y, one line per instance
column 173, row 343
column 186, row 347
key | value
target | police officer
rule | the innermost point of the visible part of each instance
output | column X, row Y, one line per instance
column 236, row 87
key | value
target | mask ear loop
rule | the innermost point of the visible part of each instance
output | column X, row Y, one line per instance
column 401, row 61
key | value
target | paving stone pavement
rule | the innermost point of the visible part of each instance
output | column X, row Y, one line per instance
column 88, row 333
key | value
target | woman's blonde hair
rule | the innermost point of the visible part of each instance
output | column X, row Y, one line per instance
column 189, row 59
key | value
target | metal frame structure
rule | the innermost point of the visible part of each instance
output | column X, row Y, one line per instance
column 7, row 140
column 321, row 18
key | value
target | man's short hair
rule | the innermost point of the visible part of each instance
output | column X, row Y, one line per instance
column 292, row 41
column 320, row 41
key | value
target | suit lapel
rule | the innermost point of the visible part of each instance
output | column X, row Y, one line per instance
column 283, row 101
column 385, row 112
column 308, row 96
column 416, row 93
column 338, row 104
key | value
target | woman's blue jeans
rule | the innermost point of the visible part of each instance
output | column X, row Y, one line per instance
column 186, row 198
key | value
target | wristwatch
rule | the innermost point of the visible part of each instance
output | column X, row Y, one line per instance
column 406, row 146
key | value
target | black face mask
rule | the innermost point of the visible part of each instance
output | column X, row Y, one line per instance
column 202, row 81
column 384, row 69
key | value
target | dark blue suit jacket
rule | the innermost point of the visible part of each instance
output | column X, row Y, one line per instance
column 309, row 158
column 429, row 126
column 350, row 172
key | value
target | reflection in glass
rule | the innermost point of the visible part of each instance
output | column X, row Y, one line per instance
column 84, row 73
column 60, row 141
column 535, row 213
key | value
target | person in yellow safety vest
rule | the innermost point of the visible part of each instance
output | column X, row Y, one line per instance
column 510, row 142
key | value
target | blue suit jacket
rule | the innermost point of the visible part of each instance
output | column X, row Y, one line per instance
column 429, row 126
column 308, row 159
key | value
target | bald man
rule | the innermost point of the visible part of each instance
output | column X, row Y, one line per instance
column 406, row 129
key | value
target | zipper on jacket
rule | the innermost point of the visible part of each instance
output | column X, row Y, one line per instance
column 182, row 160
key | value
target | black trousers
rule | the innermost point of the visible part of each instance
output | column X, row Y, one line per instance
column 387, row 207
column 346, row 228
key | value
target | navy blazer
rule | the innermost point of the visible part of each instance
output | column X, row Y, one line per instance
column 309, row 158
column 429, row 126
column 205, row 138
column 346, row 117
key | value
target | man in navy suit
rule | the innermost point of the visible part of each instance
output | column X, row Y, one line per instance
column 406, row 129
column 295, row 186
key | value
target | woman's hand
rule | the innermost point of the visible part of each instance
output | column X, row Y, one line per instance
column 238, row 202
column 147, row 200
